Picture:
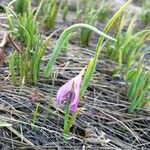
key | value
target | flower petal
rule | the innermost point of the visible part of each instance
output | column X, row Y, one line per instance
column 74, row 102
column 63, row 92
column 77, row 80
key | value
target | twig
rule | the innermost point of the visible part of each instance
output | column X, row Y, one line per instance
column 14, row 44
column 19, row 135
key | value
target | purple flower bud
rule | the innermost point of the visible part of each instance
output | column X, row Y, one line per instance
column 70, row 89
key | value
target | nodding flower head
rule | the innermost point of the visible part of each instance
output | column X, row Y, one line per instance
column 70, row 91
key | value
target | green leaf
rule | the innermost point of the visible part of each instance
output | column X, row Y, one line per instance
column 87, row 77
column 35, row 115
column 62, row 40
column 130, row 75
column 12, row 66
column 100, row 42
column 72, row 119
column 66, row 120
column 37, row 62
column 134, row 84
column 22, row 68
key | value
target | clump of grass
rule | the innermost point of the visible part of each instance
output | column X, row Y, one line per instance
column 90, row 18
column 50, row 11
column 126, row 52
column 145, row 12
column 92, row 64
column 64, row 7
column 25, row 62
column 22, row 24
column 128, row 46
column 91, row 14
column 27, row 29
column 138, row 80
column 103, row 10
column 21, row 6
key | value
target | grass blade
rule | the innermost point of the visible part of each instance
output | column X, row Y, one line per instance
column 100, row 42
column 61, row 40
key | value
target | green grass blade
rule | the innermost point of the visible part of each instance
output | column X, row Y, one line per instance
column 109, row 25
column 12, row 67
column 130, row 75
column 87, row 77
column 21, row 68
column 38, row 10
column 71, row 121
column 139, row 100
column 66, row 120
column 27, row 35
column 100, row 42
column 136, row 102
column 35, row 115
column 21, row 6
column 134, row 83
column 37, row 62
column 61, row 40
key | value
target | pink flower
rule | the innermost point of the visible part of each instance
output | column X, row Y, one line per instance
column 71, row 89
